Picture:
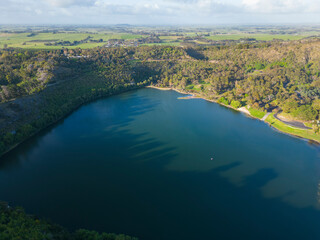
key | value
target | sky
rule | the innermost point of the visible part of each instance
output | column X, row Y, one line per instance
column 159, row 12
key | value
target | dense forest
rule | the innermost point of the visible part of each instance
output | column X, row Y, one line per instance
column 15, row 224
column 38, row 87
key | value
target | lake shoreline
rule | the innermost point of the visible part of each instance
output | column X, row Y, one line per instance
column 11, row 148
column 242, row 109
column 193, row 96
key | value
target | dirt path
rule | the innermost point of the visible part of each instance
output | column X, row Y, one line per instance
column 265, row 116
column 292, row 123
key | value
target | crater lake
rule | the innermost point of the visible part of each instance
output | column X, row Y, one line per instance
column 150, row 165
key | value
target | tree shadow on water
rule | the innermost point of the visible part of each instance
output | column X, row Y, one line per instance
column 122, row 113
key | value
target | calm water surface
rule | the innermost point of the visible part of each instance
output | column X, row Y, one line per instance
column 140, row 163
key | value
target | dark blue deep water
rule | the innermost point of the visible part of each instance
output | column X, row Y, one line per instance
column 140, row 163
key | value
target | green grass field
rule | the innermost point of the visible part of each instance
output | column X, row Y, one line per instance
column 38, row 40
column 163, row 43
column 308, row 134
column 256, row 113
column 260, row 37
column 169, row 38
column 21, row 40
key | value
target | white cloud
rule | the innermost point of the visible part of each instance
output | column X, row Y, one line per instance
column 68, row 3
column 159, row 11
column 38, row 11
column 282, row 6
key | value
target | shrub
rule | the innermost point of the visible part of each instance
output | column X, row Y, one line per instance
column 305, row 112
column 223, row 101
column 235, row 104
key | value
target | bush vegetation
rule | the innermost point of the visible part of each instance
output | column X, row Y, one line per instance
column 15, row 224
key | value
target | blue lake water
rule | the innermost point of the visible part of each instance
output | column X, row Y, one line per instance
column 148, row 164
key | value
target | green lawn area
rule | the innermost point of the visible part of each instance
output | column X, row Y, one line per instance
column 308, row 134
column 256, row 113
column 197, row 87
column 261, row 37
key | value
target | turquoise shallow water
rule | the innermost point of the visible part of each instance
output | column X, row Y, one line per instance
column 140, row 163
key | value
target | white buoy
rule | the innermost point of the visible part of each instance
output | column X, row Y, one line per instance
column 211, row 159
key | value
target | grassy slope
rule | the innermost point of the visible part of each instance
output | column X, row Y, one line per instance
column 308, row 134
column 256, row 113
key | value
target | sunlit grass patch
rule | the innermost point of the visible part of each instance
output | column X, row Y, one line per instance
column 308, row 134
